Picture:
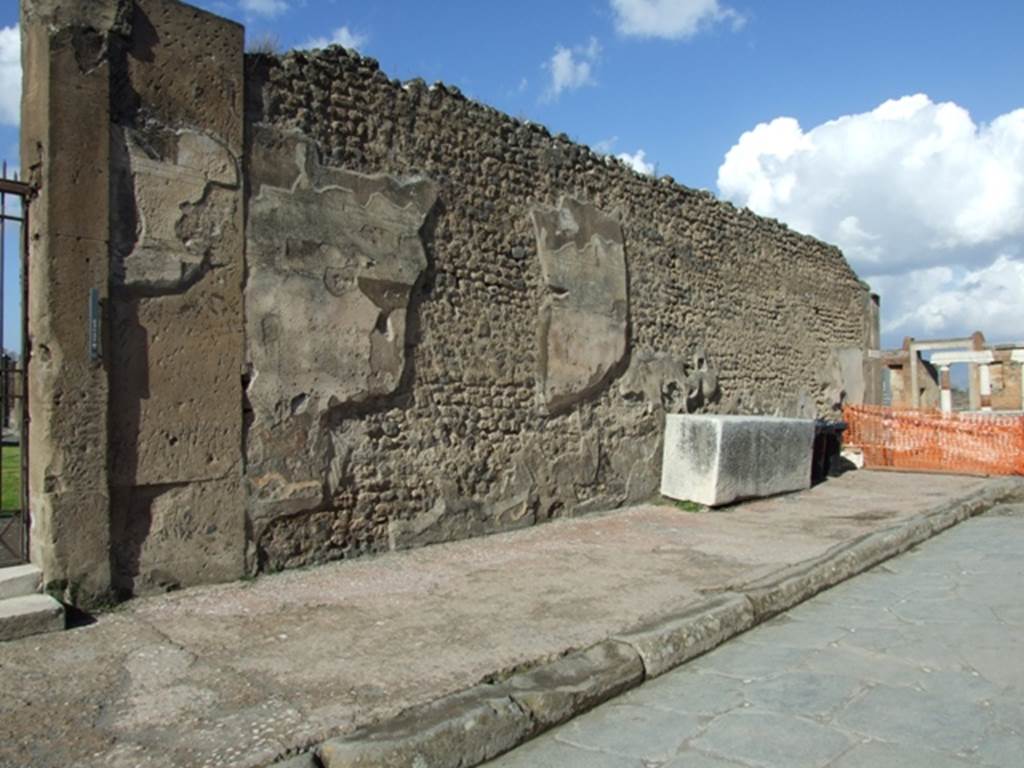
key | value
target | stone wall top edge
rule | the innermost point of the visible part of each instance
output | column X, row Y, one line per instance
column 664, row 183
column 214, row 17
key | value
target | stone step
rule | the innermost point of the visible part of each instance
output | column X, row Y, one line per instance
column 29, row 615
column 20, row 580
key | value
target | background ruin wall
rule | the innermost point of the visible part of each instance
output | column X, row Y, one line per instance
column 345, row 315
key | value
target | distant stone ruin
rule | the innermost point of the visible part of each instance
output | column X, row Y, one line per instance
column 345, row 315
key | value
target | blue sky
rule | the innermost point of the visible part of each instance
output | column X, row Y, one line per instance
column 894, row 129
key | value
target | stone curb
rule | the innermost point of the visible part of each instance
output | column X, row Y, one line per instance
column 471, row 727
column 784, row 589
column 664, row 644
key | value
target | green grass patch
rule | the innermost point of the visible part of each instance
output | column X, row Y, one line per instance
column 688, row 506
column 10, row 475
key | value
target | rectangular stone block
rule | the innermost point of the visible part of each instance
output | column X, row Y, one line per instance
column 20, row 580
column 715, row 460
column 29, row 615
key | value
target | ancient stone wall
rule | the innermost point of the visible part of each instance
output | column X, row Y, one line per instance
column 459, row 324
column 341, row 315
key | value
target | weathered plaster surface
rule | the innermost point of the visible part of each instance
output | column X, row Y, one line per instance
column 333, row 257
column 175, row 315
column 584, row 318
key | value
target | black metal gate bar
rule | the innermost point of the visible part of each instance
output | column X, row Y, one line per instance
column 14, row 529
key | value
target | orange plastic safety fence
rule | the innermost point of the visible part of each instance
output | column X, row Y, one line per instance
column 968, row 443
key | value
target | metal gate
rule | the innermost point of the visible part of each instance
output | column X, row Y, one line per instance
column 14, row 508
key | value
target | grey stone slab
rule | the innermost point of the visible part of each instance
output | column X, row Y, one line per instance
column 556, row 754
column 917, row 718
column 20, row 580
column 804, row 693
column 30, row 615
column 783, row 631
column 877, row 754
column 691, row 758
column 765, row 738
column 690, row 692
column 876, row 639
column 867, row 666
column 1001, row 748
column 1003, row 664
column 929, row 652
column 631, row 731
column 745, row 661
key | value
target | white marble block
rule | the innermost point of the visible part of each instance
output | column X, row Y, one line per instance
column 715, row 460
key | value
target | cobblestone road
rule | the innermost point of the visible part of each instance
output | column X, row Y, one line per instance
column 919, row 663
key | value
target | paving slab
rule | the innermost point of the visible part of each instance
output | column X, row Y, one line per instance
column 251, row 673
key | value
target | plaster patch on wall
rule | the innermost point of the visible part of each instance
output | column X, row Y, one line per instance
column 184, row 185
column 333, row 259
column 584, row 317
column 332, row 263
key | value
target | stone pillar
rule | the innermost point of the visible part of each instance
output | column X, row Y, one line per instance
column 915, row 392
column 133, row 130
column 65, row 152
column 985, row 386
column 874, row 370
column 947, row 391
column 974, row 374
column 176, row 320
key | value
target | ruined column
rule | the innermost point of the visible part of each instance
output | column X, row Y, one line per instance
column 915, row 392
column 985, row 386
column 947, row 391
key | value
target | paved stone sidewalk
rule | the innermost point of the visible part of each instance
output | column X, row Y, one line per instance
column 916, row 664
column 242, row 674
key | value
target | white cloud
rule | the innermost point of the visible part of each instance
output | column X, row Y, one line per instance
column 342, row 36
column 671, row 19
column 923, row 201
column 572, row 68
column 948, row 301
column 266, row 8
column 10, row 76
column 637, row 162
